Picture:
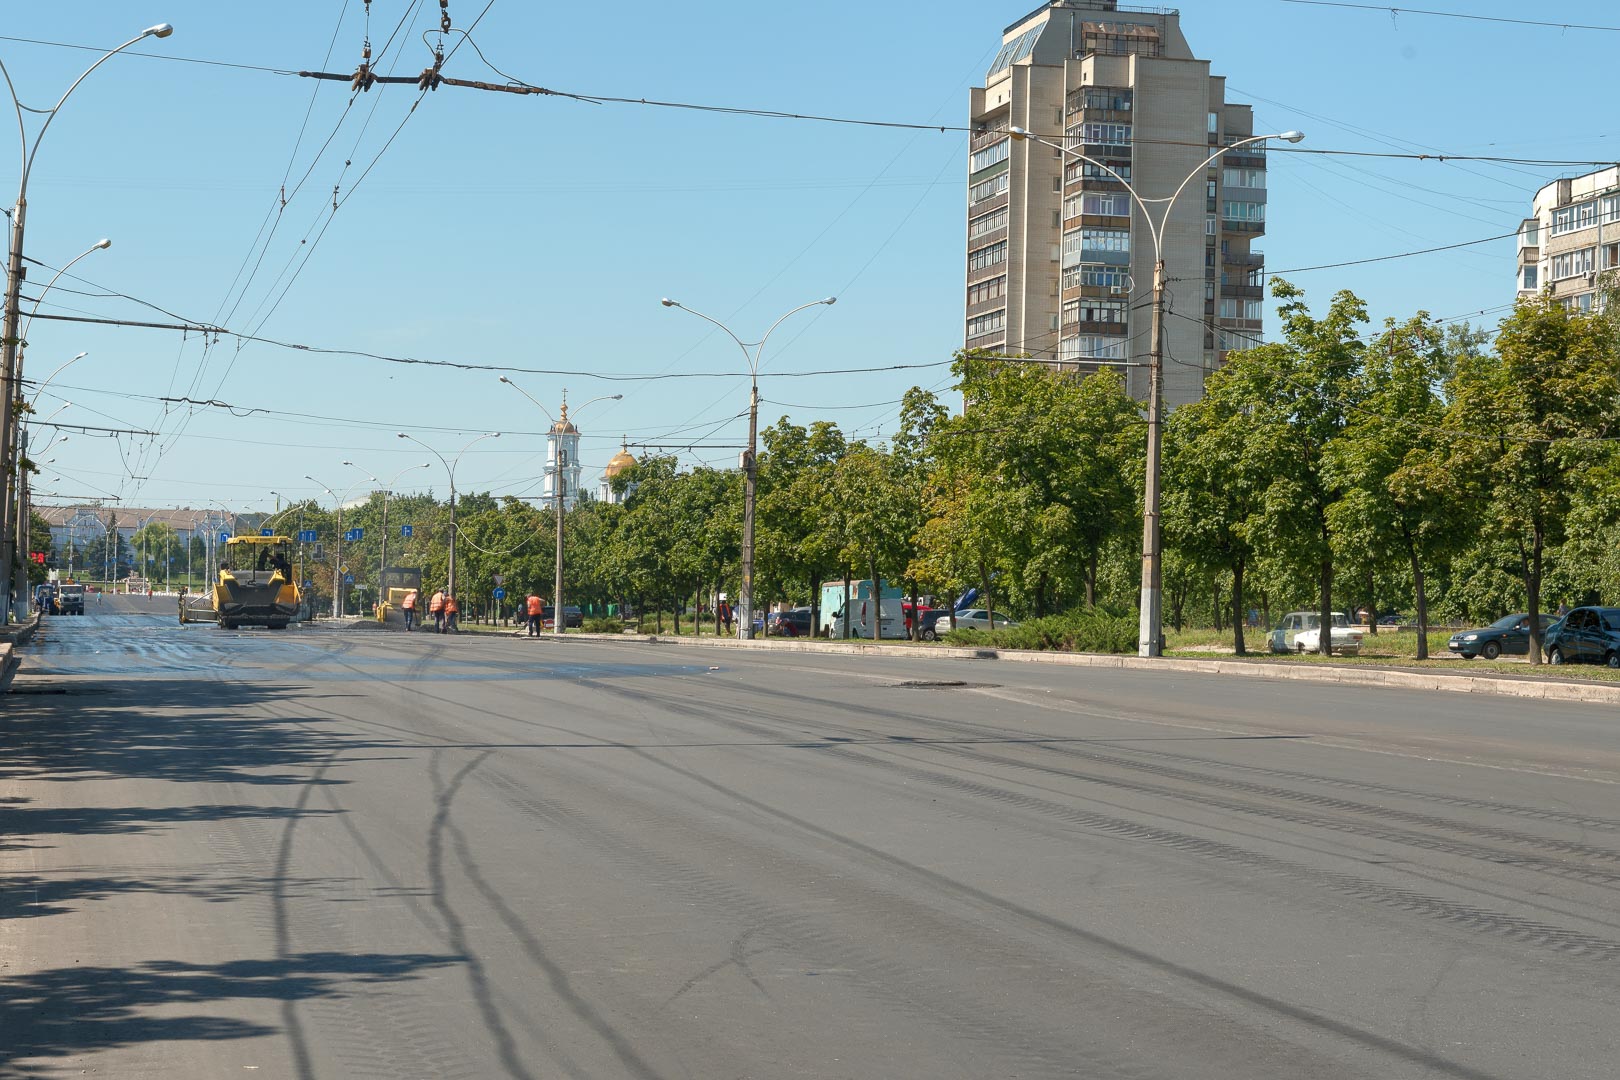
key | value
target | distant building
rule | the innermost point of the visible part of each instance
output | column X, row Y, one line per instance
column 621, row 461
column 81, row 524
column 562, row 461
column 1059, row 261
column 1572, row 241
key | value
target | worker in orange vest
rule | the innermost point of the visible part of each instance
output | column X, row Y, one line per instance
column 451, row 610
column 536, row 607
column 408, row 606
column 436, row 609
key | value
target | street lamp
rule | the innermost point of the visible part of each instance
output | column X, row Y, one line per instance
column 450, row 467
column 745, row 613
column 1150, row 629
column 337, row 560
column 387, row 491
column 559, row 621
column 10, row 365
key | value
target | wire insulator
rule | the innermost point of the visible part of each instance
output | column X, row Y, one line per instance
column 444, row 15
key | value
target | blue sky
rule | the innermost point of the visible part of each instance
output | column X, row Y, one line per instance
column 541, row 232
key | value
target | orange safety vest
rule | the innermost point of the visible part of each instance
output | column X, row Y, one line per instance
column 450, row 606
column 409, row 603
column 535, row 606
column 436, row 602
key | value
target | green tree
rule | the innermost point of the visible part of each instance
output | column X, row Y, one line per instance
column 1302, row 391
column 1401, row 501
column 1528, row 421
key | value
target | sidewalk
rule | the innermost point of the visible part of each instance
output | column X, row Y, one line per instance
column 1388, row 677
column 12, row 635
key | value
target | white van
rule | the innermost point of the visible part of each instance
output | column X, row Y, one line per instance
column 1301, row 632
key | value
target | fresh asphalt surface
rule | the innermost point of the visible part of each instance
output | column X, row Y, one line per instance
column 325, row 853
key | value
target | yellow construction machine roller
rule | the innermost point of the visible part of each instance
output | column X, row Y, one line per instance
column 254, row 587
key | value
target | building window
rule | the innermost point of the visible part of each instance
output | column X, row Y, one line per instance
column 1611, row 256
column 1530, row 277
column 988, row 189
column 984, row 291
column 990, row 155
column 1563, row 220
column 1101, row 134
column 985, row 224
column 985, row 325
column 1611, row 210
column 1092, row 347
column 1212, row 225
column 1097, row 275
column 987, row 256
column 1573, row 263
column 1227, row 340
column 1244, row 178
column 1081, row 171
column 1102, row 204
column 1243, row 211
column 1531, row 237
column 1241, row 309
column 1098, row 240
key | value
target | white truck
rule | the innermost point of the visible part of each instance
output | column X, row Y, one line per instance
column 888, row 610
column 1301, row 632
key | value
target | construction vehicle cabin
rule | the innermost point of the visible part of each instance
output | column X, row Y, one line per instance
column 255, row 586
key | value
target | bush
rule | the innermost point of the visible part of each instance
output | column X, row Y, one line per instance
column 603, row 624
column 1093, row 630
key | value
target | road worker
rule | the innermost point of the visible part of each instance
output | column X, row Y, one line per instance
column 408, row 606
column 535, row 607
column 436, row 609
column 451, row 611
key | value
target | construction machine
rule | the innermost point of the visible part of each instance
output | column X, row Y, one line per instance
column 254, row 587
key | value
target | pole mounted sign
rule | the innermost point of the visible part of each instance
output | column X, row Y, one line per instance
column 354, row 536
column 406, row 530
column 267, row 532
column 224, row 537
column 307, row 536
column 500, row 594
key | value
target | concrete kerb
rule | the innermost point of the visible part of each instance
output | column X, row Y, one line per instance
column 1537, row 689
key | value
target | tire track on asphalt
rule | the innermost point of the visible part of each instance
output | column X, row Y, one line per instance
column 1473, row 918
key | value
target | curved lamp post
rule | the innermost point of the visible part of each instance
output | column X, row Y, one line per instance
column 387, row 492
column 337, row 560
column 450, row 467
column 10, row 366
column 751, row 352
column 559, row 621
column 1150, row 628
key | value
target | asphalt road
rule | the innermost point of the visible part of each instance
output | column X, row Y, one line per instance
column 322, row 853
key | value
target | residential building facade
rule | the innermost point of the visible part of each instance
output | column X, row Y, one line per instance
column 1571, row 243
column 1059, row 258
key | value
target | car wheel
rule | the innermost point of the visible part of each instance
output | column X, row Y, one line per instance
column 1299, row 648
column 929, row 634
column 1613, row 660
column 1555, row 655
column 1491, row 650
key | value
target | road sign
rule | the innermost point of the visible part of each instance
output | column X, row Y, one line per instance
column 354, row 536
column 500, row 579
column 307, row 585
column 307, row 536
column 224, row 537
column 500, row 594
column 267, row 532
column 348, row 579
column 406, row 530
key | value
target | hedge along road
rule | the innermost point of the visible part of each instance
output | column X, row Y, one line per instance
column 345, row 853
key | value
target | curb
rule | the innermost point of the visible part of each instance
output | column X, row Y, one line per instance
column 9, row 663
column 1536, row 689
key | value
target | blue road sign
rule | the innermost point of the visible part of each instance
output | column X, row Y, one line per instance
column 307, row 585
column 223, row 537
column 405, row 531
column 356, row 535
column 267, row 532
column 500, row 594
column 348, row 579
column 307, row 536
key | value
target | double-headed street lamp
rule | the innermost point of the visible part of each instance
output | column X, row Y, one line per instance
column 10, row 366
column 752, row 352
column 450, row 467
column 337, row 560
column 1150, row 628
column 387, row 491
column 559, row 428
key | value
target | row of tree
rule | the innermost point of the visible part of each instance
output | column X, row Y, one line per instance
column 1445, row 473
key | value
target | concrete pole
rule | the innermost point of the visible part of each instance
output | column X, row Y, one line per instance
column 1150, row 628
column 745, row 612
column 8, row 375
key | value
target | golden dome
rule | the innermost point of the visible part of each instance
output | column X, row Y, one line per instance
column 564, row 426
column 621, row 461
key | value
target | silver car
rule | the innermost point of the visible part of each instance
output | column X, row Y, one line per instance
column 979, row 619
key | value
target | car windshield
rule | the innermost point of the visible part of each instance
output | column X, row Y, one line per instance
column 1506, row 622
column 1611, row 620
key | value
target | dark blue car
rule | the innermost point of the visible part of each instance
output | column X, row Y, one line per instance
column 1589, row 635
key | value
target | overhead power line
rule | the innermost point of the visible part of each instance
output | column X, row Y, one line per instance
column 1385, row 9
column 1398, row 255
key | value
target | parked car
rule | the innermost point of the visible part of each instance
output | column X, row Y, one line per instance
column 1510, row 634
column 979, row 619
column 932, row 623
column 573, row 618
column 1588, row 635
column 795, row 622
column 1390, row 620
column 1301, row 632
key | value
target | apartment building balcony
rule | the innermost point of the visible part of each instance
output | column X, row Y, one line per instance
column 1244, row 259
column 989, row 137
column 1234, row 225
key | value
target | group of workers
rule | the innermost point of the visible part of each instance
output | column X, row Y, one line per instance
column 442, row 608
column 445, row 612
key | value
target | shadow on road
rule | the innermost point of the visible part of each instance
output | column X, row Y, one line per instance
column 76, row 1010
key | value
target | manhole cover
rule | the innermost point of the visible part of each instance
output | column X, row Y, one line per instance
column 943, row 684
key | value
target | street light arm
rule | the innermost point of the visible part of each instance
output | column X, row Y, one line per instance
column 748, row 356
column 1019, row 134
column 1291, row 136
column 28, row 154
column 429, row 449
column 760, row 351
column 594, row 400
column 531, row 398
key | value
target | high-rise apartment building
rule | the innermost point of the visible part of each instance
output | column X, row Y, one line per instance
column 1060, row 261
column 1573, row 240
